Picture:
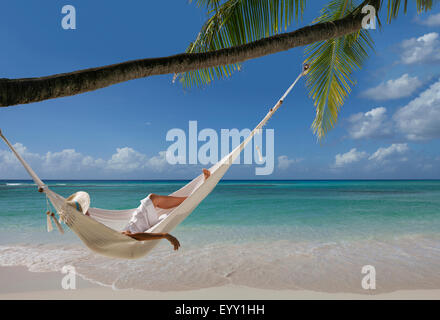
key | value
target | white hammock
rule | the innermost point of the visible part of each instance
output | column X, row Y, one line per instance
column 101, row 232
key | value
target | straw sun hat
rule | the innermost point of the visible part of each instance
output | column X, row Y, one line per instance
column 80, row 201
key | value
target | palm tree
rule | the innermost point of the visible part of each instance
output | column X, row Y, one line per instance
column 237, row 31
column 333, row 60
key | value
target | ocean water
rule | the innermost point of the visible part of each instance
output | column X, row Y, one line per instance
column 314, row 235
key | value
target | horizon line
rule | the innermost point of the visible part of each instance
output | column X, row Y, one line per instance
column 336, row 179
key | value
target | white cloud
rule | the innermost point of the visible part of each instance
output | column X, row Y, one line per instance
column 385, row 153
column 398, row 88
column 395, row 152
column 127, row 159
column 420, row 119
column 395, row 161
column 369, row 124
column 423, row 49
column 350, row 157
column 159, row 162
column 433, row 20
column 88, row 161
column 70, row 163
column 66, row 160
column 8, row 161
column 284, row 162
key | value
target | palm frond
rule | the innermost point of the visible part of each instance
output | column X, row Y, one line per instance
column 395, row 5
column 209, row 4
column 237, row 22
column 332, row 62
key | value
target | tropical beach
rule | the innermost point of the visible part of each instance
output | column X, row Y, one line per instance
column 36, row 282
column 231, row 243
column 229, row 150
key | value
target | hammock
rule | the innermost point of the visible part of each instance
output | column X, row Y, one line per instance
column 101, row 231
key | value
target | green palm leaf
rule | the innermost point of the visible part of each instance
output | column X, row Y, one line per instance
column 394, row 7
column 332, row 63
column 329, row 80
column 237, row 22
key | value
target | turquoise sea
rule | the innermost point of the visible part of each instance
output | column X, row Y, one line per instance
column 314, row 235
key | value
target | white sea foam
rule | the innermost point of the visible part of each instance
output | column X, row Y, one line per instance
column 19, row 184
column 409, row 262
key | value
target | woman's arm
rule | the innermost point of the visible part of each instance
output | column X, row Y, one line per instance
column 144, row 236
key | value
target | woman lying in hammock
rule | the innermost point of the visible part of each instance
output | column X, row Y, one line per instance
column 146, row 216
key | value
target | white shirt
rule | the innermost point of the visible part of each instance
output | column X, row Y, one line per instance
column 144, row 217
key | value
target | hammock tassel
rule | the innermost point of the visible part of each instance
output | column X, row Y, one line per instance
column 48, row 222
column 57, row 223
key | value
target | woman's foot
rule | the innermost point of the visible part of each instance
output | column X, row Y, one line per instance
column 206, row 173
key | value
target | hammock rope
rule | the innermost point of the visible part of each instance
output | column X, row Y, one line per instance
column 101, row 230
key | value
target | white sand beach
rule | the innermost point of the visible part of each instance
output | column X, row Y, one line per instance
column 19, row 283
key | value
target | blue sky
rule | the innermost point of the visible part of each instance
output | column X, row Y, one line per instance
column 388, row 128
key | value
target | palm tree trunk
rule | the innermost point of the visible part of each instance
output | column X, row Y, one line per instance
column 28, row 90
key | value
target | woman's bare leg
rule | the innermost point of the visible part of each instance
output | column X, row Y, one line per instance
column 166, row 202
